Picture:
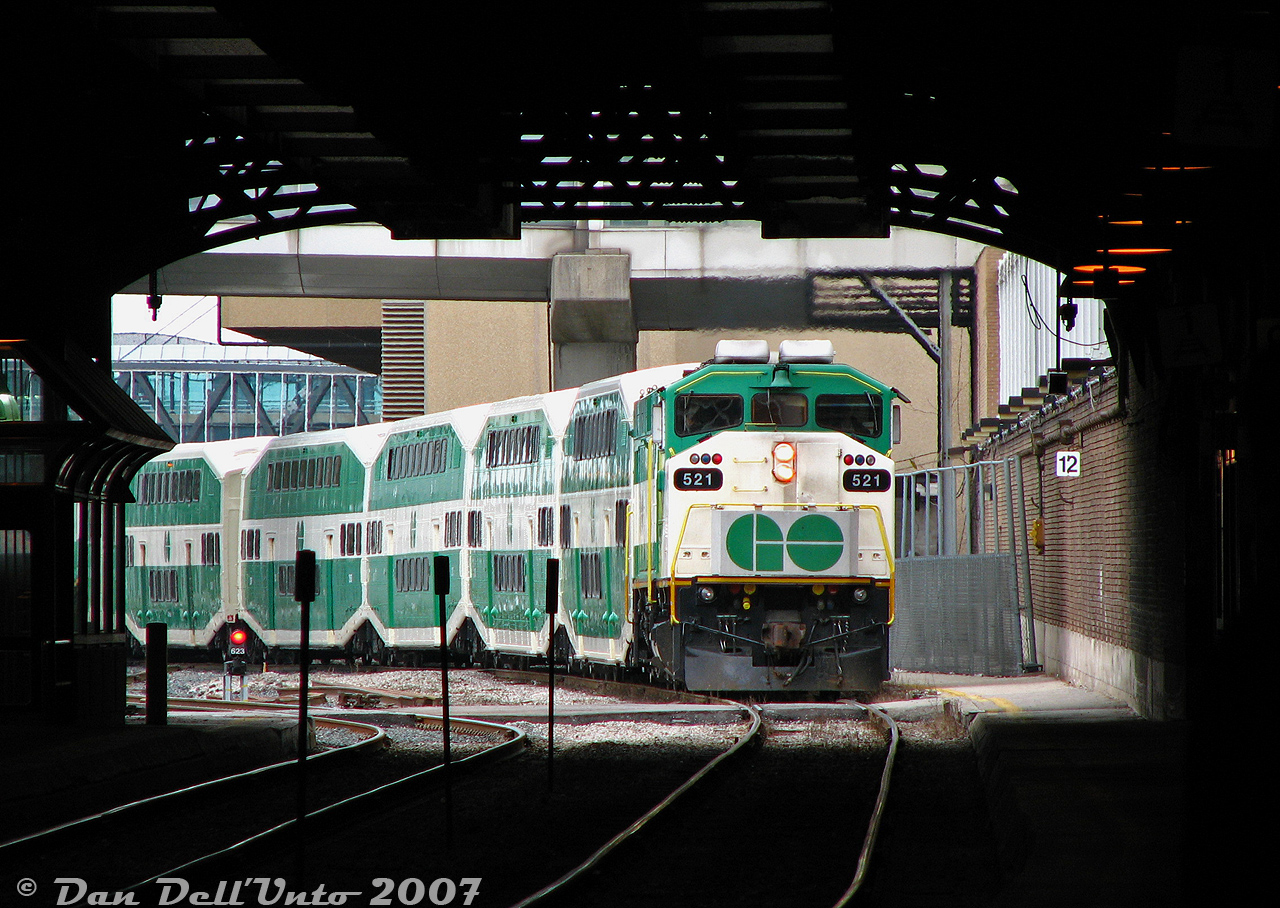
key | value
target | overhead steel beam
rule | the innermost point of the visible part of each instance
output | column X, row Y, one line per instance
column 912, row 327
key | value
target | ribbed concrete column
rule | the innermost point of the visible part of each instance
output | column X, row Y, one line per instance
column 593, row 328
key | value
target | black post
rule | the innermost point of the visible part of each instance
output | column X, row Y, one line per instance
column 553, row 596
column 440, row 570
column 157, row 673
column 304, row 593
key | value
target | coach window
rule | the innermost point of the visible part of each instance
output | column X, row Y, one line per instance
column 852, row 414
column 566, row 526
column 546, row 527
column 620, row 521
column 592, row 577
column 697, row 414
column 779, row 408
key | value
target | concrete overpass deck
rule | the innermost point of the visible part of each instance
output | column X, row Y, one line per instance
column 362, row 261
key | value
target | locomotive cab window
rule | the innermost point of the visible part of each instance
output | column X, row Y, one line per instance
column 698, row 414
column 775, row 408
column 852, row 414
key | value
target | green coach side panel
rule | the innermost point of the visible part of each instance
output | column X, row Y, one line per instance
column 172, row 492
column 509, row 588
column 514, row 457
column 401, row 593
column 185, row 597
column 588, row 590
column 418, row 467
column 168, row 583
column 304, row 481
column 597, row 445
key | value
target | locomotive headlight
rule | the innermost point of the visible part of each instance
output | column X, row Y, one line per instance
column 784, row 461
column 861, row 595
column 706, row 593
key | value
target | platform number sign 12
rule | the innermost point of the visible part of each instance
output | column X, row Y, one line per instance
column 1068, row 463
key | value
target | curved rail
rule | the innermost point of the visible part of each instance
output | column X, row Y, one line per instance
column 754, row 714
column 873, row 828
column 373, row 737
column 515, row 741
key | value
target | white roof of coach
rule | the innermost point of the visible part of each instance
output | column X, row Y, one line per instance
column 366, row 441
column 468, row 423
column 223, row 457
column 559, row 407
column 556, row 405
column 632, row 385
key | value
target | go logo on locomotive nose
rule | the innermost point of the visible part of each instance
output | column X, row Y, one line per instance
column 755, row 542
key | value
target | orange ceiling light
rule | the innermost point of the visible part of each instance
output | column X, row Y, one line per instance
column 1133, row 251
column 1114, row 269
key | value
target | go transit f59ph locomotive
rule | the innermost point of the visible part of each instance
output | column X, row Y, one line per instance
column 724, row 526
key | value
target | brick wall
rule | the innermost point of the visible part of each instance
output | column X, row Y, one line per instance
column 986, row 335
column 1109, row 587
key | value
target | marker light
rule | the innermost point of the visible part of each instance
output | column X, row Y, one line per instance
column 784, row 461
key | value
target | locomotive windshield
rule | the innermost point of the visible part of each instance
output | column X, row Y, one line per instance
column 697, row 414
column 780, row 408
column 852, row 414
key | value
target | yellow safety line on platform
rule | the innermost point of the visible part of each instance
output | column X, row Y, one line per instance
column 1006, row 705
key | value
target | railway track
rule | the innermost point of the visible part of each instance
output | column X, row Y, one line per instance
column 763, row 813
column 671, row 799
column 122, row 851
column 768, row 854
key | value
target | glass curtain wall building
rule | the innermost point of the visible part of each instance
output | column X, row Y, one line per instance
column 207, row 392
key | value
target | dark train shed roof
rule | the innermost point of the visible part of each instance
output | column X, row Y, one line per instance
column 1071, row 137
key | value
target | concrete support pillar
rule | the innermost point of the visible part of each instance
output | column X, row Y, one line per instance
column 593, row 327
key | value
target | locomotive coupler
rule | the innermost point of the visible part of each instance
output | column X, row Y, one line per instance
column 782, row 630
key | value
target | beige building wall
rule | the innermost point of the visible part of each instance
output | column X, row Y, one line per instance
column 482, row 352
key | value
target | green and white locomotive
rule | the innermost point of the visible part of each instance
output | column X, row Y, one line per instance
column 723, row 526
